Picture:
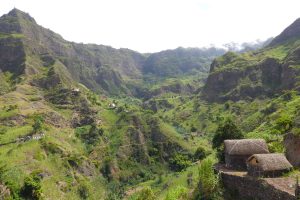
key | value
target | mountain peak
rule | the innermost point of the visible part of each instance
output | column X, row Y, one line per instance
column 20, row 14
column 291, row 32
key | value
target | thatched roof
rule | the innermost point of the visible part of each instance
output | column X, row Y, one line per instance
column 245, row 147
column 270, row 162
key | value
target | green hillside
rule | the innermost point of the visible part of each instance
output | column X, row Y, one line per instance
column 85, row 121
column 63, row 135
column 265, row 72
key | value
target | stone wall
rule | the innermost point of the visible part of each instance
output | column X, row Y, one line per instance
column 250, row 188
column 292, row 145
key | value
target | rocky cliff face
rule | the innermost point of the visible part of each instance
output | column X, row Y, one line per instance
column 12, row 54
column 250, row 82
column 25, row 47
column 265, row 72
column 292, row 145
column 85, row 63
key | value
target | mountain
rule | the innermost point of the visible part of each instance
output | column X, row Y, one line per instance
column 180, row 61
column 292, row 32
column 264, row 72
column 259, row 90
column 100, row 68
column 65, row 131
column 86, row 121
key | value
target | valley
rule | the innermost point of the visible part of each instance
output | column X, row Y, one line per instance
column 86, row 121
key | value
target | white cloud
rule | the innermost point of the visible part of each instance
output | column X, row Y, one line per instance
column 153, row 25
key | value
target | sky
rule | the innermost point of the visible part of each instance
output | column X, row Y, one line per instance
column 155, row 25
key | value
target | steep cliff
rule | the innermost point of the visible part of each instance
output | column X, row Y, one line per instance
column 101, row 68
column 260, row 73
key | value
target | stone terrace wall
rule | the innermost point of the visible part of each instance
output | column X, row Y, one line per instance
column 250, row 188
column 292, row 145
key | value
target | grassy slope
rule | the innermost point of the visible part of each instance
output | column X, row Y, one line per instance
column 176, row 123
column 62, row 181
column 177, row 115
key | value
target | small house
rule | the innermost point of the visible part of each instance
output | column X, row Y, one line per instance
column 268, row 165
column 112, row 105
column 76, row 91
column 238, row 151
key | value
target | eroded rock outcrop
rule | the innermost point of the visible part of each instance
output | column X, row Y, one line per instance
column 292, row 146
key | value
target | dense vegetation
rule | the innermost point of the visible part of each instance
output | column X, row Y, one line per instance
column 92, row 122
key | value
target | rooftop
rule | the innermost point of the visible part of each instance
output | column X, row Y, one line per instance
column 245, row 147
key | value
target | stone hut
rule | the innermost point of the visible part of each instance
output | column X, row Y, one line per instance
column 268, row 165
column 238, row 151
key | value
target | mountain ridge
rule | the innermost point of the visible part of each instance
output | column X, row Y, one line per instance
column 260, row 73
column 289, row 33
column 101, row 68
column 86, row 121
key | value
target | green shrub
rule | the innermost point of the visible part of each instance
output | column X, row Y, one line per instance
column 227, row 106
column 220, row 154
column 51, row 147
column 116, row 190
column 160, row 178
column 178, row 193
column 105, row 170
column 284, row 123
column 11, row 107
column 275, row 132
column 14, row 189
column 276, row 147
column 83, row 190
column 3, row 130
column 8, row 177
column 208, row 186
column 200, row 153
column 296, row 131
column 190, row 179
column 271, row 108
column 179, row 162
column 32, row 188
column 287, row 96
column 193, row 129
column 146, row 194
column 225, row 131
column 89, row 134
column 38, row 125
column 4, row 115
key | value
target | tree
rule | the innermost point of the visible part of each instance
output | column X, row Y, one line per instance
column 225, row 131
column 179, row 162
column 284, row 123
column 90, row 134
column 32, row 188
column 38, row 125
column 193, row 129
column 200, row 153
